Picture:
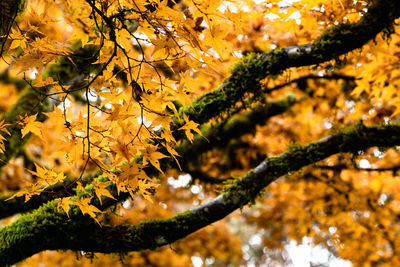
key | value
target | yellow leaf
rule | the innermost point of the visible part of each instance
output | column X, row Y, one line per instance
column 65, row 204
column 100, row 190
column 87, row 208
column 33, row 126
column 190, row 126
column 151, row 154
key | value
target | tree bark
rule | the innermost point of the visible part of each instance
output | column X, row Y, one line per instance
column 48, row 228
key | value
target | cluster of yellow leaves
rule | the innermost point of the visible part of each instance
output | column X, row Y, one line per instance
column 378, row 76
column 169, row 57
column 43, row 179
column 84, row 203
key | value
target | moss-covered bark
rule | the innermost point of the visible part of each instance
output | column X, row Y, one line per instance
column 213, row 136
column 49, row 228
column 335, row 41
column 18, row 205
column 245, row 189
column 219, row 135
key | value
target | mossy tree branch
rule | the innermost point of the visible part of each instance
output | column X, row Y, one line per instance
column 220, row 134
column 248, row 72
column 18, row 205
column 49, row 229
column 213, row 136
column 251, row 69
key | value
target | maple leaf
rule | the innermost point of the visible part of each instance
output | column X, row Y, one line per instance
column 145, row 189
column 65, row 204
column 130, row 175
column 28, row 193
column 190, row 126
column 87, row 208
column 20, row 193
column 100, row 190
column 31, row 125
column 39, row 82
column 3, row 127
column 49, row 176
column 151, row 154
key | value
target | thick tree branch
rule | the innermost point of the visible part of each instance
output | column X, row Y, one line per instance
column 48, row 228
column 218, row 135
column 250, row 70
column 17, row 205
column 336, row 41
column 213, row 136
column 303, row 79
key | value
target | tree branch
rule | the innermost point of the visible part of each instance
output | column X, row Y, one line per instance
column 303, row 79
column 247, row 73
column 251, row 69
column 18, row 205
column 220, row 134
column 213, row 135
column 48, row 228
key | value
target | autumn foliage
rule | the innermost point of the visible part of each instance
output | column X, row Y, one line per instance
column 158, row 133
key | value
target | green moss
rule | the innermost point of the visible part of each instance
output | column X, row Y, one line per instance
column 235, row 122
column 331, row 42
column 242, row 190
column 164, row 231
column 345, row 37
column 27, row 227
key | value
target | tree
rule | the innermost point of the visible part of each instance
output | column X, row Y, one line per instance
column 105, row 104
